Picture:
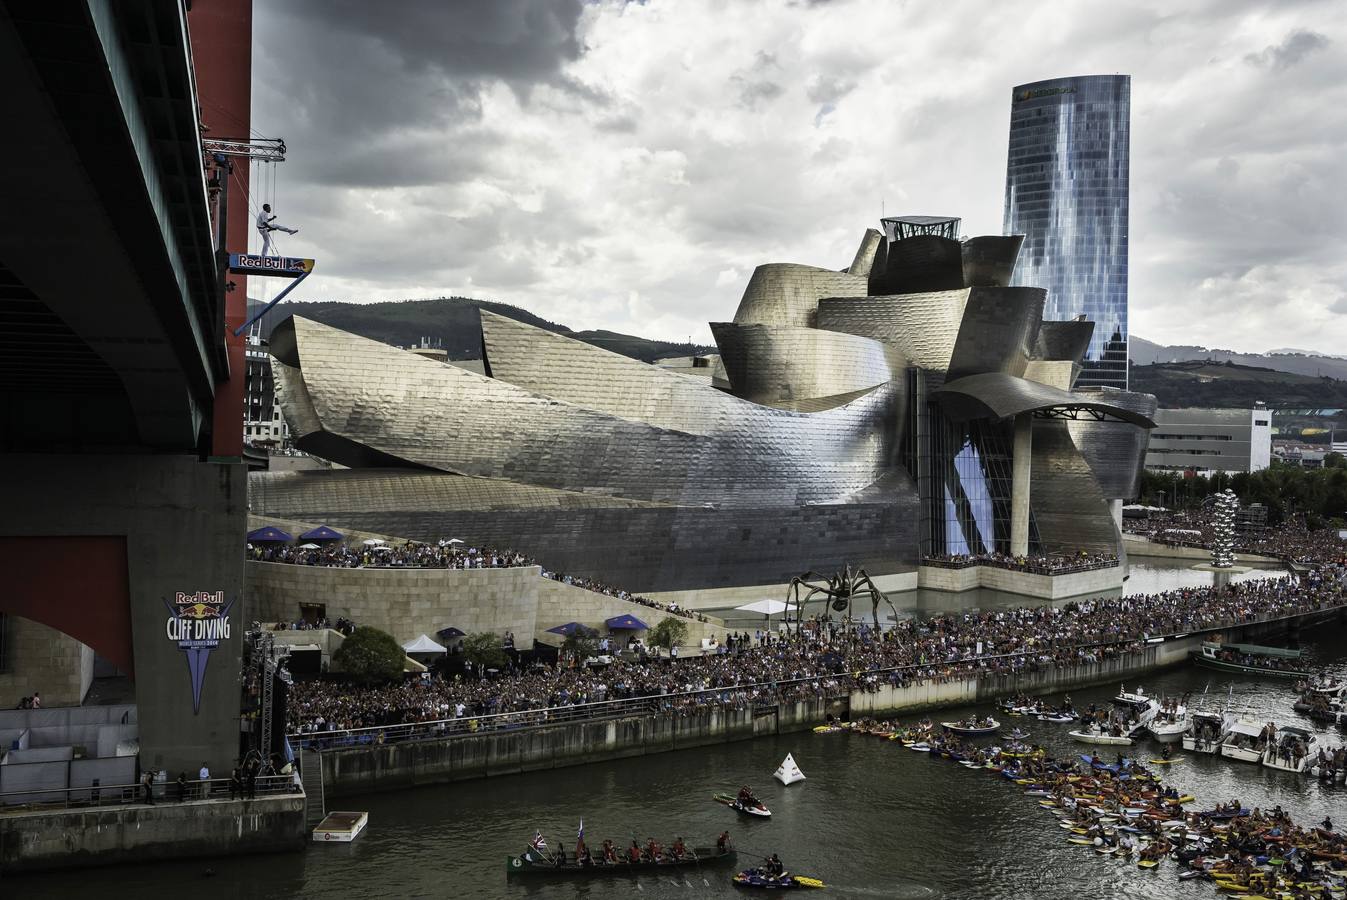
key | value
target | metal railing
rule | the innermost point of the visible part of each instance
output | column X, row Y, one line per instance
column 1053, row 566
column 97, row 795
column 770, row 692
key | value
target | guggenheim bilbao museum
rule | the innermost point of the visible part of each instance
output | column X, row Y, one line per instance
column 913, row 404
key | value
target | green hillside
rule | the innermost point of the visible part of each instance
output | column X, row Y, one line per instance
column 1204, row 383
column 451, row 323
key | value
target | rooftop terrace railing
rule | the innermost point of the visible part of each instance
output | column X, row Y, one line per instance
column 100, row 795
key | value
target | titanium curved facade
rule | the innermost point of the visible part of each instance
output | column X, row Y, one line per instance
column 788, row 294
column 857, row 429
column 776, row 364
column 1067, row 176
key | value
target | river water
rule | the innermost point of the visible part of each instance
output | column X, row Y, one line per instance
column 872, row 820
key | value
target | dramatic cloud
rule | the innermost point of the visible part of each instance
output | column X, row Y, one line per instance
column 626, row 165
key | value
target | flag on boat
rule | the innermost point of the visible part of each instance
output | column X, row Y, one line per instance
column 580, row 835
column 538, row 843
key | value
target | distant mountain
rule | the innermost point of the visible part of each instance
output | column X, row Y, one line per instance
column 452, row 323
column 1207, row 383
column 1298, row 362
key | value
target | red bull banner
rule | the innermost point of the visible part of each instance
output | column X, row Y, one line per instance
column 198, row 623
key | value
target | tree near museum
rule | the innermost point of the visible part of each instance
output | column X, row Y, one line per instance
column 670, row 632
column 484, row 649
column 370, row 655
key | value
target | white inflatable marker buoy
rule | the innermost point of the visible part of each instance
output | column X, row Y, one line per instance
column 788, row 772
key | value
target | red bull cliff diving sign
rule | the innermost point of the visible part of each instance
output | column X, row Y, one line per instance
column 283, row 266
column 197, row 623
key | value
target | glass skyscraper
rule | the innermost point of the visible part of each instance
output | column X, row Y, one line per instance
column 1066, row 192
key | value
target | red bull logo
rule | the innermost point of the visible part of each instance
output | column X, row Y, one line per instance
column 197, row 623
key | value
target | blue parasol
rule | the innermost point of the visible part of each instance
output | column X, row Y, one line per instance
column 572, row 628
column 268, row 534
column 321, row 533
column 625, row 622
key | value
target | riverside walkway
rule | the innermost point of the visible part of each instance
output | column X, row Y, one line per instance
column 994, row 652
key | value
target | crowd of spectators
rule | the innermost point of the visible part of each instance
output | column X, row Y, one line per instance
column 1061, row 564
column 599, row 587
column 1291, row 542
column 449, row 554
column 374, row 555
column 341, row 625
column 823, row 659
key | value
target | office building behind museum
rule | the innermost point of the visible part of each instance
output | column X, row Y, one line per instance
column 1067, row 193
column 1205, row 441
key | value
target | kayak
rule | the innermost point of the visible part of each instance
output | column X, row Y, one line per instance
column 530, row 862
column 1164, row 762
column 960, row 728
column 733, row 803
column 752, row 878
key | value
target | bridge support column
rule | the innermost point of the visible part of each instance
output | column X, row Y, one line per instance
column 1022, row 453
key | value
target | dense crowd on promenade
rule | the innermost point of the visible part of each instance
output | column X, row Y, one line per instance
column 1060, row 564
column 599, row 587
column 411, row 555
column 441, row 555
column 1291, row 541
column 826, row 658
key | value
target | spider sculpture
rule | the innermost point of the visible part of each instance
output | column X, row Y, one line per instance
column 837, row 591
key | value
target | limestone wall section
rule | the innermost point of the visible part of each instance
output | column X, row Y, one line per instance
column 559, row 603
column 43, row 660
column 402, row 602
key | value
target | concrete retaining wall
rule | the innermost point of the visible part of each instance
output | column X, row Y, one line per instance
column 727, row 597
column 1135, row 545
column 31, row 842
column 430, row 761
column 1042, row 587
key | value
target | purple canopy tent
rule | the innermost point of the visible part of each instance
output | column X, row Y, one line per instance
column 321, row 533
column 572, row 628
column 625, row 622
column 268, row 534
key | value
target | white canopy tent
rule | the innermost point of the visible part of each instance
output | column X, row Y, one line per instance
column 422, row 644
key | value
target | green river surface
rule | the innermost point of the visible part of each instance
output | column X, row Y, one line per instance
column 872, row 820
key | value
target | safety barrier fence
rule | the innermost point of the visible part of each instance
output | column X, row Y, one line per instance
column 1063, row 566
column 193, row 791
column 757, row 694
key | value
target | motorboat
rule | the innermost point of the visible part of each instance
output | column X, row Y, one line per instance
column 1096, row 735
column 1244, row 741
column 1323, row 684
column 1207, row 731
column 1291, row 751
column 1136, row 708
column 1169, row 725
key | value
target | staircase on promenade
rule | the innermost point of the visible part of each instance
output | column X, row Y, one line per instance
column 311, row 773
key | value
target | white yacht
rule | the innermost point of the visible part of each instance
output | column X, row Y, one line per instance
column 1292, row 751
column 1207, row 730
column 1243, row 741
column 1169, row 725
column 1136, row 708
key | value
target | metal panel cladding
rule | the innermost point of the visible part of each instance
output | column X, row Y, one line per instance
column 1067, row 193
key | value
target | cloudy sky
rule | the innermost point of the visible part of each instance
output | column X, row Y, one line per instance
column 626, row 165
